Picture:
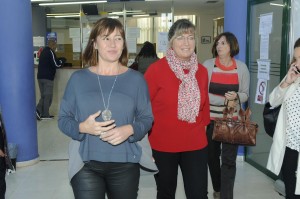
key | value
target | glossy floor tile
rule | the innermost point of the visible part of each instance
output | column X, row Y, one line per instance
column 48, row 179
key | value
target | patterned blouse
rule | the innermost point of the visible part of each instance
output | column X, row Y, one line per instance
column 293, row 122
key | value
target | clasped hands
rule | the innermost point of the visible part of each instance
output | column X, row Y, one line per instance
column 106, row 130
column 231, row 96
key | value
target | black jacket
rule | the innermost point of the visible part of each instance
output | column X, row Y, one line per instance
column 47, row 64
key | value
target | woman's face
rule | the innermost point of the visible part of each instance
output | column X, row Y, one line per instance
column 297, row 56
column 184, row 46
column 109, row 47
column 223, row 48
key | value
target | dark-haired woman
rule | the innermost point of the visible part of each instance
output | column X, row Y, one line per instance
column 228, row 78
column 146, row 56
column 284, row 154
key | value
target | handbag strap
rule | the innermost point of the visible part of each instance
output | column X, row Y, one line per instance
column 228, row 111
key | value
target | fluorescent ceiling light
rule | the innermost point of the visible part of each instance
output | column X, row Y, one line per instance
column 60, row 14
column 145, row 15
column 63, row 16
column 276, row 4
column 71, row 3
column 38, row 0
column 128, row 12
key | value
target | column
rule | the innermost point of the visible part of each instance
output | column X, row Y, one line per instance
column 235, row 21
column 17, row 90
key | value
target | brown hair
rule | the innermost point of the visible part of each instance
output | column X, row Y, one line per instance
column 296, row 45
column 231, row 40
column 90, row 55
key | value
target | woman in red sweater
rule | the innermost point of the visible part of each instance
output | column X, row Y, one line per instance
column 178, row 87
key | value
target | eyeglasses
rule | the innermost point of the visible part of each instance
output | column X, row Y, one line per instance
column 183, row 38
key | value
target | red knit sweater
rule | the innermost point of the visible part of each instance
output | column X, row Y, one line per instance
column 169, row 134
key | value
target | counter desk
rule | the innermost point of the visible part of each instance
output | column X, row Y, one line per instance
column 61, row 78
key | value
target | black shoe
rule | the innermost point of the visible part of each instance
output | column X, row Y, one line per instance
column 51, row 117
column 38, row 115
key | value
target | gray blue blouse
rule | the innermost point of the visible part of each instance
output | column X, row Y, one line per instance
column 129, row 104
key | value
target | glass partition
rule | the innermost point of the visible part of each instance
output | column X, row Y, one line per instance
column 277, row 54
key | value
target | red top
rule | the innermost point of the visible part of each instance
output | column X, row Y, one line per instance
column 169, row 134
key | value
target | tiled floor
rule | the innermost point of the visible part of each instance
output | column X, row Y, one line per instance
column 49, row 179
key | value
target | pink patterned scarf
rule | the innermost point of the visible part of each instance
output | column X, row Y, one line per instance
column 189, row 93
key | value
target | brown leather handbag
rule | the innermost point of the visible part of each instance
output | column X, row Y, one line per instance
column 241, row 131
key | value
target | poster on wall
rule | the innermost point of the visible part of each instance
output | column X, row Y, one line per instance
column 260, row 97
column 162, row 42
column 263, row 71
column 38, row 41
column 265, row 23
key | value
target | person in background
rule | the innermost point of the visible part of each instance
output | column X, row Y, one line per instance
column 228, row 79
column 48, row 63
column 106, row 107
column 2, row 159
column 284, row 154
column 178, row 87
column 146, row 56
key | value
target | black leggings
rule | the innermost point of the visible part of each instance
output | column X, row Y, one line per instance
column 289, row 168
column 2, row 177
column 117, row 180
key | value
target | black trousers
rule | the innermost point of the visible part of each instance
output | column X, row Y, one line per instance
column 193, row 165
column 289, row 168
column 2, row 177
column 222, row 176
column 117, row 180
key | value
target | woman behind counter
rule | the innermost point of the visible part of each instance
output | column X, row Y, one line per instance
column 284, row 154
column 107, row 108
column 146, row 56
column 228, row 78
column 178, row 87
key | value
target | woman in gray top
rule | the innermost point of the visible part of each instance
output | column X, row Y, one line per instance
column 106, row 108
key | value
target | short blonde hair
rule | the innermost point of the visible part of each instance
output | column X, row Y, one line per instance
column 180, row 27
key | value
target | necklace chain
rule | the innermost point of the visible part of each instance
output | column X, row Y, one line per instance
column 100, row 88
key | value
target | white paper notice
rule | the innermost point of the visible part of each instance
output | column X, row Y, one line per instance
column 263, row 67
column 162, row 42
column 132, row 32
column 131, row 45
column 264, row 46
column 260, row 97
column 86, row 34
column 39, row 41
column 74, row 32
column 265, row 23
column 76, row 44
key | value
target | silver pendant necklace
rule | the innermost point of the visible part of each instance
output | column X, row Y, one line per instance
column 106, row 114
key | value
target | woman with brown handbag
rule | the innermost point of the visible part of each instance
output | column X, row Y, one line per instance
column 228, row 78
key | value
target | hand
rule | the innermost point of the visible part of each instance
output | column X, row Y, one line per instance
column 2, row 154
column 231, row 103
column 292, row 74
column 231, row 95
column 117, row 135
column 91, row 126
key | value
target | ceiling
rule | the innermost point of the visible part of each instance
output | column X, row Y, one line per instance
column 180, row 7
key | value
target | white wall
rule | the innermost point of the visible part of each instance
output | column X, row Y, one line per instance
column 205, row 28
